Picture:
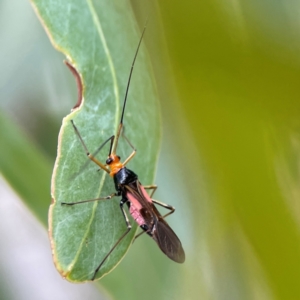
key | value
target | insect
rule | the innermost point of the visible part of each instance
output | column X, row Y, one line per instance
column 141, row 205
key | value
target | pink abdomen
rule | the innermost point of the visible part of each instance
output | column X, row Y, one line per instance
column 136, row 215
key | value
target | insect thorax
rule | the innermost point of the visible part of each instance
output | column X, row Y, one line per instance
column 124, row 177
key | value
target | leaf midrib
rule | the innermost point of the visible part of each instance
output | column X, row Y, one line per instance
column 117, row 98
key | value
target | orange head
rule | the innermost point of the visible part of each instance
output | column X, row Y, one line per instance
column 114, row 164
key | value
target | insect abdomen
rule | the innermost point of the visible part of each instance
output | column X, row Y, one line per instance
column 136, row 215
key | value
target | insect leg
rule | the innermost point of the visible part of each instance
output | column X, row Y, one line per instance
column 111, row 139
column 90, row 156
column 167, row 206
column 129, row 143
column 152, row 187
column 91, row 200
column 122, row 202
column 138, row 235
column 94, row 154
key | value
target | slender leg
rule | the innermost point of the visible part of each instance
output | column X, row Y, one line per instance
column 91, row 200
column 152, row 187
column 111, row 145
column 98, row 150
column 167, row 206
column 90, row 156
column 118, row 241
column 94, row 154
column 129, row 143
column 138, row 235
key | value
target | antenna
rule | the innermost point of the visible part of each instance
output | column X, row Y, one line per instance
column 126, row 93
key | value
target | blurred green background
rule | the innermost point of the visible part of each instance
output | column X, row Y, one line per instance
column 227, row 73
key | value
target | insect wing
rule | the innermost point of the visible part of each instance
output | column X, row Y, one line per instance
column 145, row 212
column 141, row 206
column 168, row 241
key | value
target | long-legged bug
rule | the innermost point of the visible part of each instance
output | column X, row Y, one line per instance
column 140, row 204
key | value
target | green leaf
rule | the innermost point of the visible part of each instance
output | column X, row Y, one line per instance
column 99, row 40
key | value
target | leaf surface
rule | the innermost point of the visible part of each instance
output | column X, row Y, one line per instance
column 99, row 39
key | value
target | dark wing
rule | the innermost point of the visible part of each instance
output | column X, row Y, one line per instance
column 168, row 241
column 162, row 234
column 148, row 210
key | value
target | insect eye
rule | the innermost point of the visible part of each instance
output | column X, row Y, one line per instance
column 118, row 157
column 109, row 161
